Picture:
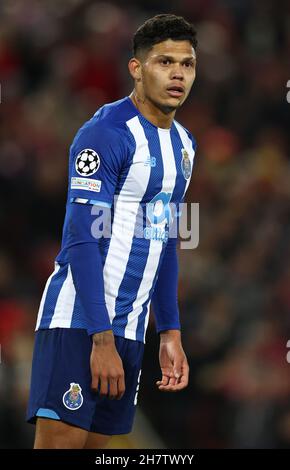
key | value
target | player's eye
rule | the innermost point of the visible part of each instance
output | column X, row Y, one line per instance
column 188, row 64
column 165, row 61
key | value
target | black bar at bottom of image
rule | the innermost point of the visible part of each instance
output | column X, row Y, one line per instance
column 124, row 458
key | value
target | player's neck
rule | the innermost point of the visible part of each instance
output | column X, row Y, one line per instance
column 152, row 113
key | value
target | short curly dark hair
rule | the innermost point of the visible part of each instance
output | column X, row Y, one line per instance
column 160, row 28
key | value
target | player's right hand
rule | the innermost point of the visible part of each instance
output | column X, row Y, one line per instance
column 106, row 366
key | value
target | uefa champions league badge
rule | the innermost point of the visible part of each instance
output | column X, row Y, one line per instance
column 87, row 162
column 73, row 399
column 185, row 164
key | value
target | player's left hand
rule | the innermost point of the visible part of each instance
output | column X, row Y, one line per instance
column 173, row 363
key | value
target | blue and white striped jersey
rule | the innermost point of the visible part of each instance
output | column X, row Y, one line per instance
column 119, row 159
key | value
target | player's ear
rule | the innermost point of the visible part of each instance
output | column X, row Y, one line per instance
column 134, row 66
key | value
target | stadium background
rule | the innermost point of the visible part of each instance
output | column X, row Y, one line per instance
column 59, row 61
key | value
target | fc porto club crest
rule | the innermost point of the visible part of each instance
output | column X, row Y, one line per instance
column 185, row 164
column 73, row 399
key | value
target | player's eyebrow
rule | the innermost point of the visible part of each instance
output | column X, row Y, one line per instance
column 191, row 58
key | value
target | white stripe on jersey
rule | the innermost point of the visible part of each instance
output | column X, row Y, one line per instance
column 168, row 185
column 146, row 320
column 65, row 303
column 120, row 246
column 40, row 310
column 187, row 143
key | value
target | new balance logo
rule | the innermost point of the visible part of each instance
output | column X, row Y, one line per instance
column 150, row 161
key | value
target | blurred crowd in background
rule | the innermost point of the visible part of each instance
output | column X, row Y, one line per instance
column 60, row 61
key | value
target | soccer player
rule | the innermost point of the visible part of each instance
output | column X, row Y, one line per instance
column 129, row 166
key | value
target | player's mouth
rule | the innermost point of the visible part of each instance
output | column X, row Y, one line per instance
column 175, row 91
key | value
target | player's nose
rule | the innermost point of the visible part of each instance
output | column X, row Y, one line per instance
column 177, row 72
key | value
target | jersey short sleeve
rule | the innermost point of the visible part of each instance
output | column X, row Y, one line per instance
column 97, row 156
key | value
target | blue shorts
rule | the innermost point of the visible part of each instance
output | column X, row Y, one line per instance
column 61, row 382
